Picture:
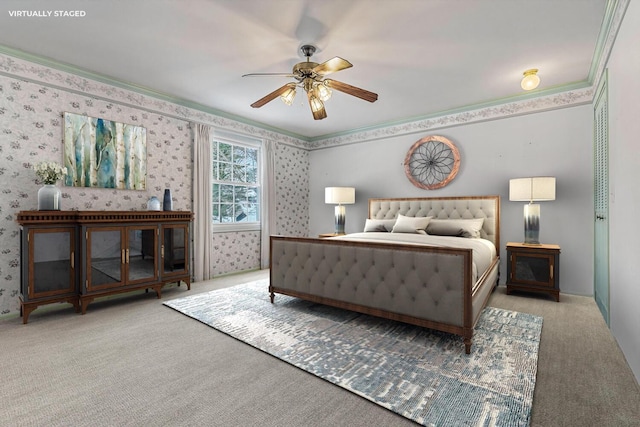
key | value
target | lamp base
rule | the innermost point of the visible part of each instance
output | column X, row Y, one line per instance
column 532, row 224
column 341, row 215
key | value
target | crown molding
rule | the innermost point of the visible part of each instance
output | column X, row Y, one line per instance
column 27, row 67
column 22, row 65
column 534, row 105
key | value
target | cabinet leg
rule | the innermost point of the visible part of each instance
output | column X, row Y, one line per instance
column 27, row 309
column 84, row 303
column 76, row 304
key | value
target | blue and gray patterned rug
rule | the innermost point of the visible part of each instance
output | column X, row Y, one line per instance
column 421, row 374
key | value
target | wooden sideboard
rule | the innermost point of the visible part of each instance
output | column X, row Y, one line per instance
column 77, row 256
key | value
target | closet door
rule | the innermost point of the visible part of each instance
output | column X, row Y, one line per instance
column 601, row 195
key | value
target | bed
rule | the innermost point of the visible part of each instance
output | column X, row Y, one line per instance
column 431, row 262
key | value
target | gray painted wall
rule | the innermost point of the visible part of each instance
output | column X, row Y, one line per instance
column 554, row 143
column 624, row 179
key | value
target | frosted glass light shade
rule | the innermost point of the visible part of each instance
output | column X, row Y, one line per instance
column 316, row 103
column 530, row 80
column 323, row 92
column 340, row 195
column 289, row 95
column 536, row 189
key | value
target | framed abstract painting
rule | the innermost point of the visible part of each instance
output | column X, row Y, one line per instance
column 102, row 153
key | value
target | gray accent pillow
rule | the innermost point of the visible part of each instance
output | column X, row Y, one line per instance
column 409, row 224
column 456, row 227
column 379, row 225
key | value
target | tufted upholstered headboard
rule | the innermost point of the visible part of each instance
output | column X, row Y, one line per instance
column 469, row 207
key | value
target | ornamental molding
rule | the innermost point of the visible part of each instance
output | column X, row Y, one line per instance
column 41, row 74
column 536, row 105
column 22, row 69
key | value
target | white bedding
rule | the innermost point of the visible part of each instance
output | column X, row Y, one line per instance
column 483, row 251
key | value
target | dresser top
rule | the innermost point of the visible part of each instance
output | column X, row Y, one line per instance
column 86, row 217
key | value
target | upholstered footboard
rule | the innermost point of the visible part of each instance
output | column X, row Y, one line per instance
column 430, row 287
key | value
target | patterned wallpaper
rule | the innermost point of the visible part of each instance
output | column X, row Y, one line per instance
column 31, row 131
column 237, row 251
column 292, row 189
column 240, row 251
column 33, row 99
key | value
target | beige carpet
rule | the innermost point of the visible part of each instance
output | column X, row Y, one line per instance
column 130, row 361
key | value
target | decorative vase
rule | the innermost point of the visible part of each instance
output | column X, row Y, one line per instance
column 167, row 203
column 49, row 197
column 153, row 204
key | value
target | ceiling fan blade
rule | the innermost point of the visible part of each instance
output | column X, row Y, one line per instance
column 352, row 90
column 268, row 74
column 273, row 95
column 320, row 114
column 331, row 66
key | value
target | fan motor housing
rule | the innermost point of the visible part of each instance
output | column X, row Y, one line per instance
column 304, row 69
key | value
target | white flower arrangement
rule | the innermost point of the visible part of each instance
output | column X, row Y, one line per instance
column 49, row 172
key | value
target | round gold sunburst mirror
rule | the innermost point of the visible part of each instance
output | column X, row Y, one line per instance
column 432, row 162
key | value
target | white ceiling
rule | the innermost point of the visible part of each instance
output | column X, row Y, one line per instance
column 422, row 57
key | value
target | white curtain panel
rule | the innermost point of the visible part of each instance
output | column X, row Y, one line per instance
column 267, row 200
column 202, row 237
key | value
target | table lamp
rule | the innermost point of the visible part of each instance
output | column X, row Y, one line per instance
column 340, row 196
column 535, row 189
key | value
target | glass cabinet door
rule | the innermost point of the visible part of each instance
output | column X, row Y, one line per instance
column 105, row 257
column 532, row 269
column 141, row 254
column 52, row 258
column 175, row 249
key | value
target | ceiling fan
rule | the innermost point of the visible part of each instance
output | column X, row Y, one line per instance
column 311, row 77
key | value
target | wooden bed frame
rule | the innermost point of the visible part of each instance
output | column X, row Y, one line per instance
column 426, row 286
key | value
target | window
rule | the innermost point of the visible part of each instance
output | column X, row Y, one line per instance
column 236, row 184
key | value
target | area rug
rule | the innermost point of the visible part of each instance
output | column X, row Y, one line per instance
column 421, row 374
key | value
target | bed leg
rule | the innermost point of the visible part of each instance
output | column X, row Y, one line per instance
column 467, row 345
column 271, row 297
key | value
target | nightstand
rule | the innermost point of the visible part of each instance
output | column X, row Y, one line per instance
column 533, row 268
column 325, row 235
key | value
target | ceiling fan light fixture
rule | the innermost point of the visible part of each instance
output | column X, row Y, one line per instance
column 310, row 77
column 323, row 92
column 530, row 80
column 315, row 103
column 288, row 96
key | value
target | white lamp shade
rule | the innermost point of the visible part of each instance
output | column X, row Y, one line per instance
column 340, row 195
column 536, row 189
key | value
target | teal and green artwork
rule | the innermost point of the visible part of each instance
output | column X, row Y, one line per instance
column 104, row 154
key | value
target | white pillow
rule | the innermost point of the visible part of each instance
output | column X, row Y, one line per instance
column 409, row 224
column 380, row 225
column 456, row 227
